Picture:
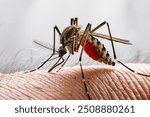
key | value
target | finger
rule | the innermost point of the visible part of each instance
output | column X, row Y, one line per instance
column 118, row 82
column 103, row 83
column 66, row 84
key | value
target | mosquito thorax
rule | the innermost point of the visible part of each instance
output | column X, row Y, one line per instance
column 70, row 37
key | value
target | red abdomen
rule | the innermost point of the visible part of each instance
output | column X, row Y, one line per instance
column 91, row 50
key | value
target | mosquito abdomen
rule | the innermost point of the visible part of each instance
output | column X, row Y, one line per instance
column 96, row 50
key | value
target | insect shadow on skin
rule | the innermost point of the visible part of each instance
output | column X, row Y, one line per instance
column 72, row 37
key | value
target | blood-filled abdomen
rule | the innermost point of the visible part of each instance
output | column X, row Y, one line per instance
column 95, row 50
column 92, row 51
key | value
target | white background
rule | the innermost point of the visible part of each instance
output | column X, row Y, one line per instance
column 21, row 21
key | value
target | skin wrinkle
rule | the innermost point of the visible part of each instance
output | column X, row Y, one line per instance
column 6, row 79
column 86, row 80
column 3, row 97
column 7, row 92
column 93, row 90
column 59, row 92
column 76, row 93
column 35, row 94
column 92, row 94
column 112, row 94
column 90, row 87
column 135, row 85
column 131, row 85
column 46, row 85
column 99, row 88
column 39, row 81
column 114, row 86
column 100, row 80
column 43, row 90
column 143, row 88
column 125, row 85
column 74, row 87
column 139, row 86
column 93, row 86
column 130, row 91
column 105, row 84
column 67, row 84
column 46, row 82
column 120, row 87
column 110, row 90
column 145, row 84
column 28, row 88
column 144, row 70
column 146, row 87
column 114, row 70
column 18, row 92
column 146, row 79
column 63, row 83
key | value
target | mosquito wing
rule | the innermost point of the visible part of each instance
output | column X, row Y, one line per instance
column 104, row 36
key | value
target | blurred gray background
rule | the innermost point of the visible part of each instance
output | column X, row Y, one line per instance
column 22, row 21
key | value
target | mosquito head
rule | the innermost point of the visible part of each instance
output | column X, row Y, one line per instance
column 62, row 51
column 70, row 37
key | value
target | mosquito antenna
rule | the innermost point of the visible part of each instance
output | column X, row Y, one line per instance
column 72, row 21
column 76, row 21
column 132, row 69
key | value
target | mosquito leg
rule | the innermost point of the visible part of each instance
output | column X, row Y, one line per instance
column 64, row 62
column 56, row 64
column 85, row 34
column 83, row 78
column 113, row 48
column 115, row 57
column 132, row 69
column 99, row 26
column 42, row 63
column 55, row 29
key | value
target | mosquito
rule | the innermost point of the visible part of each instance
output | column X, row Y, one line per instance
column 72, row 37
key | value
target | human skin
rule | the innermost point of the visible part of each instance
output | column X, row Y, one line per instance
column 103, row 83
